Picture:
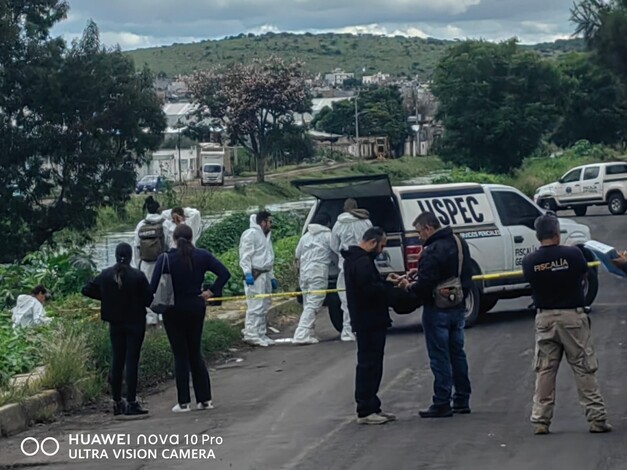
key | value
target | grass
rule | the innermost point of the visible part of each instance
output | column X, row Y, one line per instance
column 321, row 53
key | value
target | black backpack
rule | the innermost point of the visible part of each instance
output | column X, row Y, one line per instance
column 151, row 241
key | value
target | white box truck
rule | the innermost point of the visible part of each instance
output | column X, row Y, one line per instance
column 212, row 170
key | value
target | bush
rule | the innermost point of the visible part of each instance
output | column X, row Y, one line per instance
column 225, row 235
column 21, row 350
column 284, row 267
column 461, row 175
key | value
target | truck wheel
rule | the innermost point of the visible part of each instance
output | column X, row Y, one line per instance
column 473, row 301
column 486, row 304
column 548, row 204
column 616, row 204
column 335, row 311
column 580, row 211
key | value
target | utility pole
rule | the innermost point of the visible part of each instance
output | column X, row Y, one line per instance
column 179, row 146
column 357, row 128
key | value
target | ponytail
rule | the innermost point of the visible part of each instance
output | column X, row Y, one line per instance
column 183, row 237
column 123, row 256
column 120, row 270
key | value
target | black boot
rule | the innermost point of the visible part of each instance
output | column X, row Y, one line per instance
column 462, row 408
column 119, row 407
column 135, row 409
column 437, row 411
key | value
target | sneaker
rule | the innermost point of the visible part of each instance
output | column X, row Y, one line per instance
column 437, row 411
column 461, row 408
column 347, row 336
column 119, row 407
column 600, row 427
column 389, row 416
column 310, row 340
column 373, row 419
column 135, row 409
column 540, row 429
column 178, row 408
column 205, row 405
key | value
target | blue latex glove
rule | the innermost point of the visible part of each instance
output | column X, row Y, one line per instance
column 275, row 284
column 250, row 280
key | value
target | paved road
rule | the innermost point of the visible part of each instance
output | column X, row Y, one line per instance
column 292, row 407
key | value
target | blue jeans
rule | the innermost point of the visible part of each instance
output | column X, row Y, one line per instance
column 444, row 333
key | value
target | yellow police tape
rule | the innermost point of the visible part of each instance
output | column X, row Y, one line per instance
column 278, row 295
column 480, row 277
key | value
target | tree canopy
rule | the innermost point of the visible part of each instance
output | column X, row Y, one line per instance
column 596, row 108
column 380, row 113
column 254, row 102
column 496, row 102
column 75, row 122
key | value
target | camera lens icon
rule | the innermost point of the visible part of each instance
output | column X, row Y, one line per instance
column 49, row 446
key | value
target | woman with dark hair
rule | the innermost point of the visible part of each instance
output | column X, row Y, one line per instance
column 184, row 321
column 124, row 294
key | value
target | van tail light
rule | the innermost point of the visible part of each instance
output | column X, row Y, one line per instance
column 412, row 254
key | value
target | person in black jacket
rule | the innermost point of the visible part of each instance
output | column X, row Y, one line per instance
column 184, row 322
column 443, row 327
column 368, row 298
column 124, row 294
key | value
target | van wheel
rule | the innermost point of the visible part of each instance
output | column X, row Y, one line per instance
column 335, row 311
column 486, row 304
column 616, row 204
column 591, row 281
column 580, row 211
column 473, row 302
column 591, row 286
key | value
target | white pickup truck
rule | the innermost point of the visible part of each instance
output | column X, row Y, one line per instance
column 495, row 220
column 598, row 184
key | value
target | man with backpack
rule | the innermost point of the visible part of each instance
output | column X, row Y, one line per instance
column 150, row 242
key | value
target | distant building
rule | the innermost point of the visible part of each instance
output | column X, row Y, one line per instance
column 376, row 79
column 337, row 77
column 317, row 105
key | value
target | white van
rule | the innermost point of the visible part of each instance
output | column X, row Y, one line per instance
column 495, row 220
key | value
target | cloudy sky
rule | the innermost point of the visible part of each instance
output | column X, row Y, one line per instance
column 144, row 23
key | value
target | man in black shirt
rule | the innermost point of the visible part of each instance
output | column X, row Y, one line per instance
column 556, row 275
column 368, row 304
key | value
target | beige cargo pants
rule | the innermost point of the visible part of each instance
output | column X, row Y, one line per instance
column 565, row 332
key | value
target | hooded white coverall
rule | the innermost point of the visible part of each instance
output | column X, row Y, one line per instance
column 29, row 312
column 347, row 231
column 256, row 254
column 315, row 255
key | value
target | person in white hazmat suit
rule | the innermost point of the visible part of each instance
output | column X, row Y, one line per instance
column 29, row 310
column 314, row 255
column 348, row 231
column 256, row 258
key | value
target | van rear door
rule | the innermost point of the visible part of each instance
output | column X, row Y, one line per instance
column 373, row 193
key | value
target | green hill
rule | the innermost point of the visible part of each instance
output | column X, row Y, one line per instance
column 398, row 56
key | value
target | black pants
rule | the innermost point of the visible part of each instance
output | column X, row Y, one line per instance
column 126, row 344
column 370, row 349
column 185, row 333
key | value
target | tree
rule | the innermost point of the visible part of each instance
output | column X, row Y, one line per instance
column 380, row 113
column 253, row 102
column 597, row 105
column 496, row 103
column 603, row 25
column 74, row 124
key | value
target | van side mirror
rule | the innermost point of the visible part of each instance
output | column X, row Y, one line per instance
column 561, row 180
